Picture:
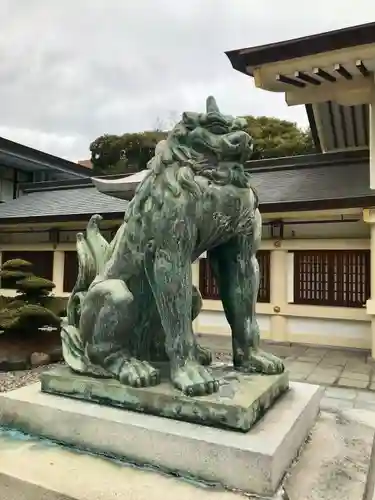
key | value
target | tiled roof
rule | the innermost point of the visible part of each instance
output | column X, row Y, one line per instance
column 279, row 188
column 60, row 203
column 313, row 183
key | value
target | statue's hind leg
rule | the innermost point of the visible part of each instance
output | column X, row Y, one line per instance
column 203, row 354
column 105, row 323
column 236, row 269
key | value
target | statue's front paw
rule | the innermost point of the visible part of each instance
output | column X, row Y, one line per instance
column 194, row 380
column 138, row 374
column 259, row 362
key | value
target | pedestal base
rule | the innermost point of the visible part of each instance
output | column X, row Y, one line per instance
column 240, row 402
column 253, row 462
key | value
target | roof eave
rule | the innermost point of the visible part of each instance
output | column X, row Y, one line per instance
column 304, row 46
column 276, row 207
column 11, row 221
column 311, row 205
column 31, row 155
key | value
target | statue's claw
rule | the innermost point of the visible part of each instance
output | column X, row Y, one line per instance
column 138, row 374
column 259, row 362
column 194, row 380
column 203, row 355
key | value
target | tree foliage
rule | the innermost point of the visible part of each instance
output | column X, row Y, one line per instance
column 27, row 312
column 274, row 138
column 112, row 154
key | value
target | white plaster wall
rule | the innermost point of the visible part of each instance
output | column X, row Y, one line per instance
column 213, row 318
column 71, row 236
column 300, row 231
column 29, row 236
column 329, row 327
column 217, row 319
column 24, row 238
column 357, row 229
column 336, row 230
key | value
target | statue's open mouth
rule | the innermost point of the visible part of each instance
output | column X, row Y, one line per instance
column 228, row 142
column 217, row 127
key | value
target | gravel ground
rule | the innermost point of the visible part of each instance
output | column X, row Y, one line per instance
column 14, row 380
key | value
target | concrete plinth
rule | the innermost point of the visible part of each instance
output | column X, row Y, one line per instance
column 33, row 469
column 253, row 462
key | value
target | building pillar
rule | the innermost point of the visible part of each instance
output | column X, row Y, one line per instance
column 370, row 305
column 369, row 217
column 195, row 281
column 278, row 299
column 58, row 271
column 372, row 136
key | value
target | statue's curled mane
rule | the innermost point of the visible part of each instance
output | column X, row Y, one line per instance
column 209, row 145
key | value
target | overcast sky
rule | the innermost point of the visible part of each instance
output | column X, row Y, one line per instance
column 75, row 69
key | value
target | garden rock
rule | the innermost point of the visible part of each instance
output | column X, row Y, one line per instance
column 39, row 359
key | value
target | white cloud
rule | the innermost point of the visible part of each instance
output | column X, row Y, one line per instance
column 64, row 146
column 73, row 71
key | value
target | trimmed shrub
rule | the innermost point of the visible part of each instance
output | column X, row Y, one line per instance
column 17, row 264
column 13, row 275
column 29, row 310
column 27, row 317
column 35, row 285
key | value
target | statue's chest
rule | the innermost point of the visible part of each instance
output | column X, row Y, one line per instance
column 224, row 214
column 227, row 202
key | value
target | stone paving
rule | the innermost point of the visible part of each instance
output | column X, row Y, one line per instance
column 329, row 367
column 315, row 365
column 338, row 398
column 348, row 376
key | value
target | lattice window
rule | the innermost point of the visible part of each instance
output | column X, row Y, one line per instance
column 332, row 277
column 209, row 289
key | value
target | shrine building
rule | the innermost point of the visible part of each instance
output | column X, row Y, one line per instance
column 317, row 257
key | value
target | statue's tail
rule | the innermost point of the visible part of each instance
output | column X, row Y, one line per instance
column 93, row 251
column 92, row 254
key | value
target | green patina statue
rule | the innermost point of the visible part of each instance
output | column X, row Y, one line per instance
column 133, row 303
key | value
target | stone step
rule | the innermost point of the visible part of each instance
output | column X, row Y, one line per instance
column 32, row 469
column 335, row 464
column 254, row 461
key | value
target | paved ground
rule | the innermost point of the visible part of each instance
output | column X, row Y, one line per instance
column 338, row 398
column 330, row 367
column 317, row 365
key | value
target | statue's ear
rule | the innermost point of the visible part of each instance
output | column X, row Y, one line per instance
column 211, row 105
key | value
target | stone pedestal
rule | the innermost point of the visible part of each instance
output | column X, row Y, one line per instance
column 239, row 403
column 254, row 461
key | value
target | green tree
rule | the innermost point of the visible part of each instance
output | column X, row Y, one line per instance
column 116, row 154
column 112, row 154
column 275, row 138
column 27, row 312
